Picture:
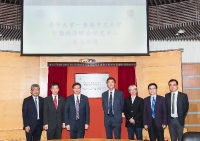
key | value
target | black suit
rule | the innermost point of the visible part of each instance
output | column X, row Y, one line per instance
column 77, row 126
column 176, row 124
column 30, row 119
column 134, row 110
column 53, row 117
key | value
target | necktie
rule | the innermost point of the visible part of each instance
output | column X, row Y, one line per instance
column 110, row 105
column 173, row 100
column 55, row 102
column 36, row 107
column 77, row 108
column 152, row 107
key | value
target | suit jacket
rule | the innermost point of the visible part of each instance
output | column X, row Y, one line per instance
column 182, row 106
column 160, row 112
column 70, row 111
column 52, row 116
column 134, row 110
column 118, row 105
column 29, row 112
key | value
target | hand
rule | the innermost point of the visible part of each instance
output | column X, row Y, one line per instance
column 63, row 125
column 68, row 127
column 164, row 126
column 86, row 126
column 27, row 129
column 46, row 127
column 145, row 127
column 132, row 121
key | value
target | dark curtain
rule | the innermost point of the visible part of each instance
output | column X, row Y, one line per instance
column 126, row 77
column 59, row 75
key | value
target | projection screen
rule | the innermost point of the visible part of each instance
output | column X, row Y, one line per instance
column 84, row 27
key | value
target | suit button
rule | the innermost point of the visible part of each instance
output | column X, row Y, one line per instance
column 131, row 111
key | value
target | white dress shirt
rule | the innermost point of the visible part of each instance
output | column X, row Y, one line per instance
column 37, row 107
column 75, row 98
column 133, row 98
column 53, row 96
column 175, row 103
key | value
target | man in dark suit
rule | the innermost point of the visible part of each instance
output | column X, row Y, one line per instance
column 155, row 114
column 113, row 105
column 32, row 112
column 133, row 110
column 177, row 107
column 54, row 113
column 77, row 113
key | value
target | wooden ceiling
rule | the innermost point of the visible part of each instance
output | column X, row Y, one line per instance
column 167, row 19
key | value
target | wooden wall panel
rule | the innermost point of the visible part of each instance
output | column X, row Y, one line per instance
column 194, row 106
column 192, row 94
column 192, row 119
column 190, row 69
column 17, row 75
column 191, row 82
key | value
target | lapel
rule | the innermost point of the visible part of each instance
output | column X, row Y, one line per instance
column 59, row 102
column 81, row 101
column 33, row 102
column 73, row 102
column 170, row 101
column 40, row 104
column 178, row 100
column 149, row 103
column 52, row 103
column 106, row 99
column 115, row 98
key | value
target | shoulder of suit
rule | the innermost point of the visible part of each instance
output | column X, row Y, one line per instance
column 148, row 97
column 139, row 98
column 41, row 97
column 167, row 94
column 184, row 94
column 84, row 96
column 60, row 97
column 106, row 92
column 27, row 98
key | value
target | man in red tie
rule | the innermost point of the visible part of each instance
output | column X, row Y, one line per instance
column 53, row 113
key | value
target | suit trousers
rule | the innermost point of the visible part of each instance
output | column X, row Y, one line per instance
column 155, row 132
column 34, row 134
column 111, row 125
column 77, row 131
column 54, row 133
column 175, row 129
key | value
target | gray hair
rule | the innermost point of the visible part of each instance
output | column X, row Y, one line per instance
column 133, row 86
column 35, row 85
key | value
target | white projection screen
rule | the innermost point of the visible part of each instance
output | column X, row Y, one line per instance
column 85, row 27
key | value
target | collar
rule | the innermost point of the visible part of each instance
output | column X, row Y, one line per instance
column 176, row 92
column 54, row 96
column 113, row 91
column 35, row 97
column 77, row 95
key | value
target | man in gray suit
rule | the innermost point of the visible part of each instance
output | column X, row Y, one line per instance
column 54, row 113
column 113, row 104
column 177, row 107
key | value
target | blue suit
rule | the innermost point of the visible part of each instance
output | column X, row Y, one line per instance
column 29, row 114
column 77, row 126
column 113, row 122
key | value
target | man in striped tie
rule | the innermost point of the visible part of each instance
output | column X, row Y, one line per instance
column 154, row 114
column 77, row 113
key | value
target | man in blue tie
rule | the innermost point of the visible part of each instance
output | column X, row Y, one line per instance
column 32, row 112
column 77, row 113
column 154, row 114
column 113, row 105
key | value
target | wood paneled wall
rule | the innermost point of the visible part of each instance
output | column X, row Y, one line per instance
column 18, row 73
column 191, row 86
